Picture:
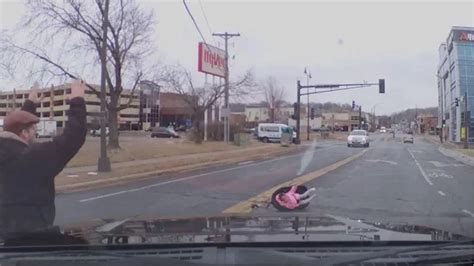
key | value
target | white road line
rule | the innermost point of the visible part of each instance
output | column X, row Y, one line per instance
column 468, row 212
column 183, row 179
column 421, row 169
column 441, row 193
column 244, row 163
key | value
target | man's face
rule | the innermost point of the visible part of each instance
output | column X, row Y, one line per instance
column 29, row 134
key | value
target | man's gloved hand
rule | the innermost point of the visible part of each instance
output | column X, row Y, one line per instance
column 78, row 88
column 33, row 96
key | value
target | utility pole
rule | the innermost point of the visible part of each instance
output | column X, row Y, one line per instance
column 467, row 116
column 273, row 109
column 226, row 36
column 104, row 162
column 360, row 117
column 442, row 84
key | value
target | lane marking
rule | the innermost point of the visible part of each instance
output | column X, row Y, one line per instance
column 441, row 193
column 468, row 212
column 246, row 206
column 244, row 163
column 436, row 173
column 441, row 164
column 184, row 179
column 421, row 169
column 382, row 161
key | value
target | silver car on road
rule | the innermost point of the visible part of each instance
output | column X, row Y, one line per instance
column 358, row 137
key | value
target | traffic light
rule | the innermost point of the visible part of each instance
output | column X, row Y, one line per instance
column 381, row 85
column 312, row 113
column 353, row 105
column 457, row 101
column 295, row 109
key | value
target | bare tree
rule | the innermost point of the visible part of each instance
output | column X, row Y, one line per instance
column 65, row 37
column 200, row 98
column 274, row 96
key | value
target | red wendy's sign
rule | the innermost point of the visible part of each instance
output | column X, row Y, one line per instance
column 211, row 60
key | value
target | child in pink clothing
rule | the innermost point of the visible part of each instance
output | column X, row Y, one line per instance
column 291, row 199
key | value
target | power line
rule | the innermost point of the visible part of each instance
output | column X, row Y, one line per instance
column 207, row 21
column 194, row 21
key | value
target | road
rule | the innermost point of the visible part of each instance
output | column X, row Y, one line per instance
column 388, row 182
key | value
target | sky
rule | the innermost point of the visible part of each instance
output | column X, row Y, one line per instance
column 337, row 41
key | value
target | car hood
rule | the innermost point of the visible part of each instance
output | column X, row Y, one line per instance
column 356, row 137
column 282, row 228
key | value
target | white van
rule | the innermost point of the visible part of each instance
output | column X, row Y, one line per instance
column 271, row 132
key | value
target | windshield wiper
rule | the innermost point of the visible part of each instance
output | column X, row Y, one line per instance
column 137, row 258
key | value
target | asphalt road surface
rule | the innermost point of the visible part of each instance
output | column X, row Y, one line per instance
column 390, row 182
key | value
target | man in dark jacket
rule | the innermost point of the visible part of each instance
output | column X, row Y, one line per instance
column 28, row 168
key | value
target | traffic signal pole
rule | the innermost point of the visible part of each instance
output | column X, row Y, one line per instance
column 360, row 117
column 322, row 88
column 298, row 112
column 467, row 116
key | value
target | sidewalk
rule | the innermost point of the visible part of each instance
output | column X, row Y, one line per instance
column 452, row 150
column 85, row 177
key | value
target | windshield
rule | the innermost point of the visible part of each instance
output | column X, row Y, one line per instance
column 119, row 114
column 358, row 133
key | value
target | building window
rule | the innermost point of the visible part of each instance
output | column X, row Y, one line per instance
column 46, row 104
column 92, row 103
column 129, row 115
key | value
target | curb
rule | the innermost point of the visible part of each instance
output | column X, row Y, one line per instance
column 457, row 156
column 68, row 188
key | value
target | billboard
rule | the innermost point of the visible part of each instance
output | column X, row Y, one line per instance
column 211, row 60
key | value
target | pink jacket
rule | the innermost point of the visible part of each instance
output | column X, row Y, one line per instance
column 290, row 199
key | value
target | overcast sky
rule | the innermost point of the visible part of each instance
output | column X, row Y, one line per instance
column 339, row 42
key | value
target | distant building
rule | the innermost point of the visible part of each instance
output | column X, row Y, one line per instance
column 174, row 110
column 455, row 77
column 53, row 105
column 257, row 113
column 337, row 120
column 262, row 113
column 427, row 124
column 145, row 110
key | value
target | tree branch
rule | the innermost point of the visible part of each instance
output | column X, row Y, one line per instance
column 132, row 93
column 49, row 61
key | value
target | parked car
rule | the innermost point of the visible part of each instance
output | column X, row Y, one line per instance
column 96, row 132
column 181, row 128
column 164, row 132
column 320, row 129
column 358, row 137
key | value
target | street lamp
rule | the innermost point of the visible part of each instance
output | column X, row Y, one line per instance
column 373, row 114
column 308, row 77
